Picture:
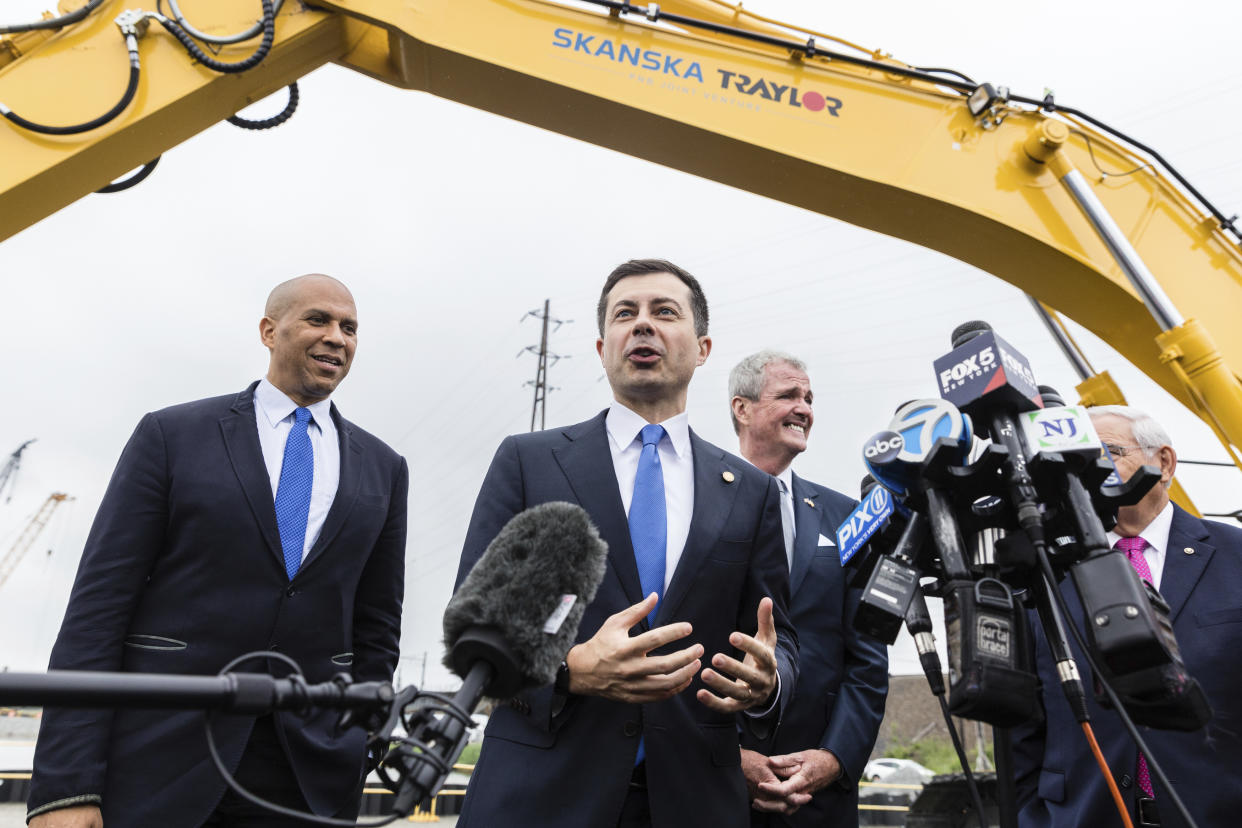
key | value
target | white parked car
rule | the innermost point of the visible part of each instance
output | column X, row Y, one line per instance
column 897, row 771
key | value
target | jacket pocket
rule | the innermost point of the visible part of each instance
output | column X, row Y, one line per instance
column 1210, row 618
column 722, row 744
column 373, row 501
column 1052, row 785
column 153, row 642
column 511, row 726
column 730, row 551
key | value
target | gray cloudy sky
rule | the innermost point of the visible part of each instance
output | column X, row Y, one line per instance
column 449, row 224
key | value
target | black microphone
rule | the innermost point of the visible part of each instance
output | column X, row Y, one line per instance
column 508, row 628
column 919, row 624
column 983, row 369
column 988, row 379
column 1131, row 632
column 869, row 530
column 892, row 585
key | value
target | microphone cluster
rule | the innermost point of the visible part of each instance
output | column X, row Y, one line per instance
column 988, row 497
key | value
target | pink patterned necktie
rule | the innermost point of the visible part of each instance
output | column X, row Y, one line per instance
column 1133, row 547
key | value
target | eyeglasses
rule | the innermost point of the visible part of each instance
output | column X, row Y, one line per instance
column 1122, row 451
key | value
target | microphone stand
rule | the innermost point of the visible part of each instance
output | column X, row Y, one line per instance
column 414, row 770
column 227, row 692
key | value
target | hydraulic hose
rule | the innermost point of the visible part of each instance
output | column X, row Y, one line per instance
column 274, row 121
column 134, row 180
column 130, row 30
column 186, row 40
column 55, row 22
column 219, row 40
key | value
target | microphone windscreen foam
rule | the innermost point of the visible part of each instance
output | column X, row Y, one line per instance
column 520, row 588
column 967, row 331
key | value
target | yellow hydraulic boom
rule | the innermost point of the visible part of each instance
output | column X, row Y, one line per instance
column 29, row 533
column 1011, row 185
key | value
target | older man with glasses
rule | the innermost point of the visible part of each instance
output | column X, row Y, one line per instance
column 1197, row 566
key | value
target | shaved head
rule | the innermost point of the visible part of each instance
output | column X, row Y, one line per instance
column 282, row 297
column 310, row 325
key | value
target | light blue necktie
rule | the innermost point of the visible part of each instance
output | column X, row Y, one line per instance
column 649, row 525
column 293, row 493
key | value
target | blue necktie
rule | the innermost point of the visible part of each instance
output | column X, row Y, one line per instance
column 648, row 523
column 649, row 526
column 293, row 493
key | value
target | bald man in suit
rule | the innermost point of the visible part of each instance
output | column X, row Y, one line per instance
column 260, row 520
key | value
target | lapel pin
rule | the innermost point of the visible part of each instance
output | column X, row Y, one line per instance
column 809, row 502
column 727, row 476
column 1189, row 550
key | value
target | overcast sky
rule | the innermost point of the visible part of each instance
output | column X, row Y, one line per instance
column 449, row 224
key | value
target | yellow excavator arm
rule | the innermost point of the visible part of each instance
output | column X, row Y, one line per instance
column 1011, row 186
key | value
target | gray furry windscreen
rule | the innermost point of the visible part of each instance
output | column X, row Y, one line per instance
column 541, row 554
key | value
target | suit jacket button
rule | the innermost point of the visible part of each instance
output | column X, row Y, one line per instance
column 291, row 592
column 630, row 728
column 274, row 647
column 1126, row 781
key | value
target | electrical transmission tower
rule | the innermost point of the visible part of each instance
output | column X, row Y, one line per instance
column 9, row 471
column 539, row 409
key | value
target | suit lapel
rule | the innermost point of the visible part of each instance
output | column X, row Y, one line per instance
column 807, row 521
column 586, row 461
column 346, row 488
column 713, row 500
column 241, row 442
column 1182, row 571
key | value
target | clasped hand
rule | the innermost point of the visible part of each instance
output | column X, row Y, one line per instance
column 783, row 784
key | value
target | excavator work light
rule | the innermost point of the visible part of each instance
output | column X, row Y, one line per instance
column 985, row 97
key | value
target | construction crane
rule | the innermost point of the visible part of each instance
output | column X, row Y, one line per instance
column 28, row 535
column 10, row 468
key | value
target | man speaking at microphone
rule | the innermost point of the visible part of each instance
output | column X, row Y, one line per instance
column 826, row 735
column 637, row 730
column 1197, row 567
column 260, row 520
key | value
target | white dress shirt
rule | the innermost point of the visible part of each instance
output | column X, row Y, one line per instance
column 1156, row 534
column 676, row 462
column 274, row 415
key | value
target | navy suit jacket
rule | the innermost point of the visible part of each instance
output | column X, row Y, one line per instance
column 1058, row 781
column 548, row 768
column 842, row 675
column 181, row 573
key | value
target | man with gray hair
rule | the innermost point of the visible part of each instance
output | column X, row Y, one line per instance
column 816, row 757
column 1197, row 567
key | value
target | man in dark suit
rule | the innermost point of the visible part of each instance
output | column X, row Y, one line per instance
column 634, row 732
column 1197, row 566
column 808, row 775
column 255, row 521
